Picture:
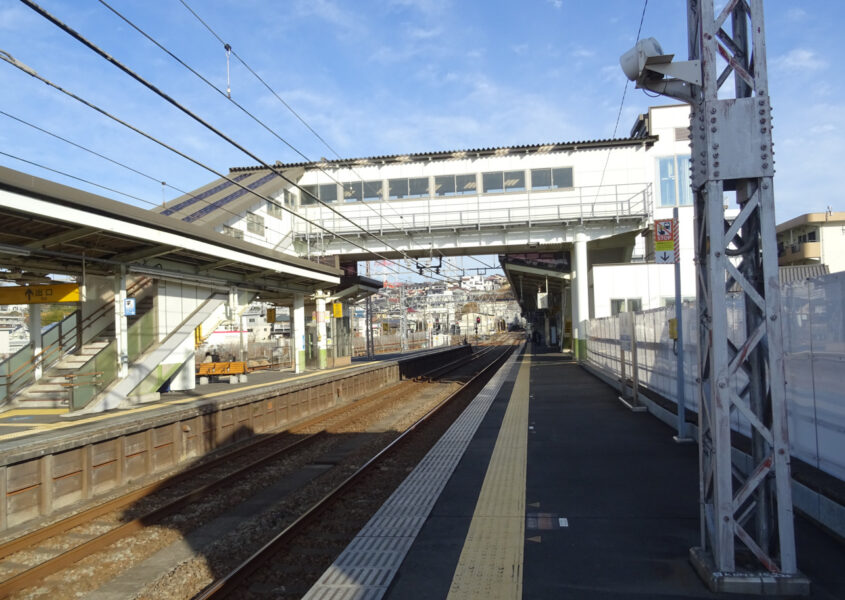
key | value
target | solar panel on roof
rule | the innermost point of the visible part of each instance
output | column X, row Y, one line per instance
column 223, row 201
column 209, row 192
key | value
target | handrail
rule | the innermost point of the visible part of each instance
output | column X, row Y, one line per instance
column 23, row 375
column 108, row 305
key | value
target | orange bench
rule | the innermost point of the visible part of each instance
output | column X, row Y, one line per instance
column 215, row 369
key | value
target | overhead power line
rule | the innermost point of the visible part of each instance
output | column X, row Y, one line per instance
column 93, row 47
column 17, row 64
column 64, row 27
column 621, row 103
column 269, row 88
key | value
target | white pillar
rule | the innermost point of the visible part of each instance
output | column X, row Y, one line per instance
column 297, row 332
column 322, row 346
column 35, row 340
column 121, row 329
column 580, row 296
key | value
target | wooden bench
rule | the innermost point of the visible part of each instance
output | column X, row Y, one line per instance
column 212, row 370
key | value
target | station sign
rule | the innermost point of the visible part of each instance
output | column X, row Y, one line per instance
column 337, row 310
column 39, row 294
column 665, row 235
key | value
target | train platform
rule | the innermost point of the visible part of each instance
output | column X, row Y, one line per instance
column 549, row 488
column 21, row 422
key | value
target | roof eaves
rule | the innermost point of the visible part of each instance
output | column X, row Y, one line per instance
column 460, row 154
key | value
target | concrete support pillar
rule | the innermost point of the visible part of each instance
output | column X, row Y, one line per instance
column 121, row 328
column 546, row 329
column 297, row 333
column 580, row 297
column 322, row 345
column 35, row 340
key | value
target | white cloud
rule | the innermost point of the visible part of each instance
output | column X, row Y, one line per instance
column 15, row 17
column 556, row 3
column 800, row 59
column 796, row 14
column 582, row 53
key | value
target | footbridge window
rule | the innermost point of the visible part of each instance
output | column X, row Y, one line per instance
column 326, row 193
column 503, row 181
column 551, row 179
column 368, row 191
column 416, row 187
column 674, row 181
column 455, row 185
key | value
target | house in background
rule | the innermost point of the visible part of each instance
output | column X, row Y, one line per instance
column 813, row 239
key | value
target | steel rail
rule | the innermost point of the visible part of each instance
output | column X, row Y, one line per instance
column 236, row 579
column 35, row 574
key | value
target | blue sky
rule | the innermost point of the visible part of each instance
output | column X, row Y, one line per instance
column 385, row 77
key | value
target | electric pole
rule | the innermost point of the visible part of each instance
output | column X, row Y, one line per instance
column 747, row 532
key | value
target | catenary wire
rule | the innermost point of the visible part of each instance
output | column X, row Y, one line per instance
column 621, row 105
column 228, row 47
column 295, row 114
column 111, row 160
column 67, row 29
column 187, row 157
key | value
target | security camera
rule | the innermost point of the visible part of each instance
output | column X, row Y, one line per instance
column 634, row 61
column 646, row 64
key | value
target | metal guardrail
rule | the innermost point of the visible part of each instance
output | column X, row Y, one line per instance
column 528, row 208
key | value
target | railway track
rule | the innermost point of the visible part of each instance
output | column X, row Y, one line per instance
column 237, row 582
column 186, row 488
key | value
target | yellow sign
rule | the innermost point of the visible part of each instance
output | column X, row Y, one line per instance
column 271, row 315
column 39, row 294
column 337, row 310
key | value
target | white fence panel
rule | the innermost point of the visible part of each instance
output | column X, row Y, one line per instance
column 813, row 320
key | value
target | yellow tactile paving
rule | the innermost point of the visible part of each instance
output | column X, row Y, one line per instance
column 39, row 427
column 490, row 566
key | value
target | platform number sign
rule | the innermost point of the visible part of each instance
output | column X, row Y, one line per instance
column 129, row 307
column 664, row 241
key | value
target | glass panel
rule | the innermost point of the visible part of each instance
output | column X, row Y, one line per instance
column 418, row 187
column 353, row 192
column 635, row 304
column 667, row 181
column 684, row 189
column 273, row 208
column 254, row 224
column 465, row 184
column 492, row 182
column 444, row 185
column 328, row 192
column 541, row 179
column 372, row 190
column 307, row 195
column 562, row 178
column 515, row 181
column 616, row 306
column 398, row 188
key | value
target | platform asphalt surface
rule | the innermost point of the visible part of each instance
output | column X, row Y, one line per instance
column 611, row 502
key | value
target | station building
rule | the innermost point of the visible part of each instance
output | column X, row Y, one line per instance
column 571, row 221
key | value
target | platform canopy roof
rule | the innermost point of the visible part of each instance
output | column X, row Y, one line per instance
column 49, row 228
column 536, row 273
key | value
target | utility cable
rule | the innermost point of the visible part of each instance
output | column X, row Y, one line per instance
column 243, row 62
column 621, row 105
column 29, row 71
column 228, row 96
column 46, row 168
column 93, row 47
column 115, row 162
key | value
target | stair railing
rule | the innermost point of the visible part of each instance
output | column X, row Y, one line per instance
column 18, row 371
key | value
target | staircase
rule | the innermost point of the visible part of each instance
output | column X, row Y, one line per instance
column 53, row 389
